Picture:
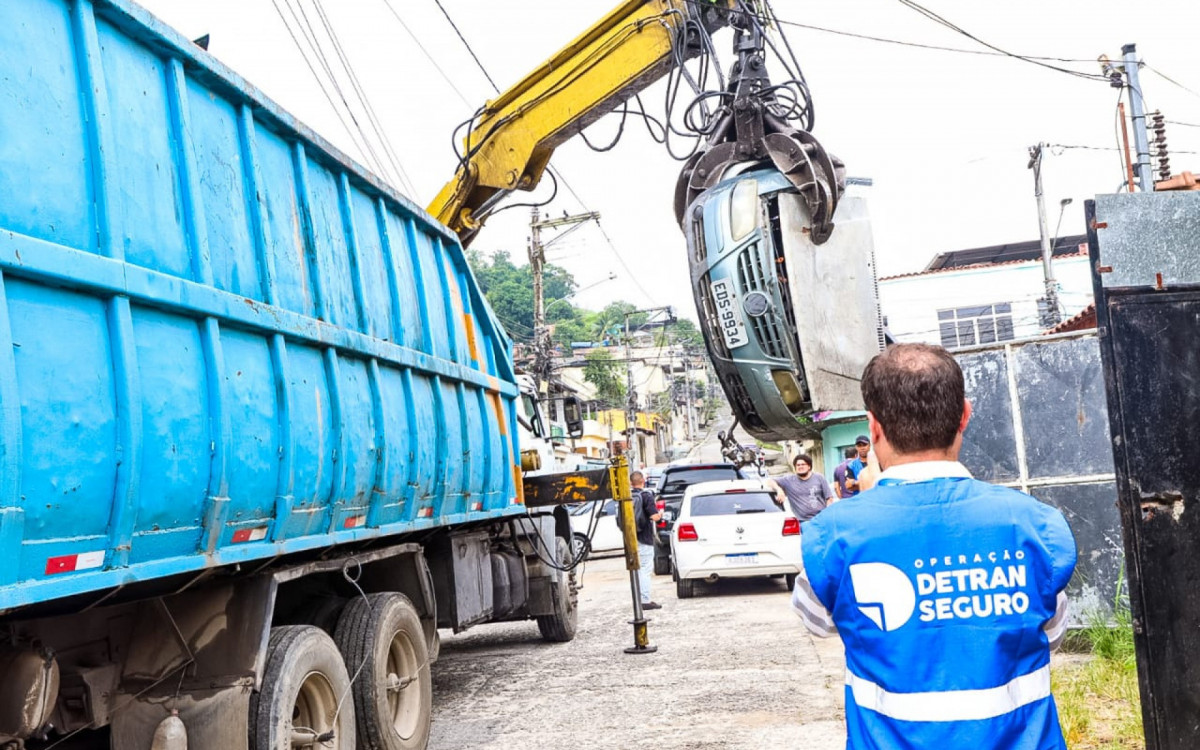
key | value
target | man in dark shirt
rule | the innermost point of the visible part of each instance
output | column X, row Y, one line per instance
column 862, row 445
column 805, row 491
column 839, row 475
column 645, row 514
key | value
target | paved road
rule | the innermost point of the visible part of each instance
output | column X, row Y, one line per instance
column 734, row 670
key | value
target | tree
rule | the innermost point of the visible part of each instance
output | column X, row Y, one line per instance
column 604, row 373
column 509, row 290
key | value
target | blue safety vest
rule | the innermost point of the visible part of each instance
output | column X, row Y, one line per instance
column 940, row 589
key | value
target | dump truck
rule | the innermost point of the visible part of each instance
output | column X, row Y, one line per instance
column 261, row 435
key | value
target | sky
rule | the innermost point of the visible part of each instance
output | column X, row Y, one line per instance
column 944, row 135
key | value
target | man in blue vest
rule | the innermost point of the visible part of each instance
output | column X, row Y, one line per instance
column 947, row 591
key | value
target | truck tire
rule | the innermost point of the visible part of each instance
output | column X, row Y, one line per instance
column 685, row 588
column 302, row 683
column 560, row 626
column 381, row 637
column 581, row 546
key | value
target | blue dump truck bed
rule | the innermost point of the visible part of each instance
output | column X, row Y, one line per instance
column 220, row 340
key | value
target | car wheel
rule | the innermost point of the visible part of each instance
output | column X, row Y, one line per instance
column 790, row 580
column 662, row 565
column 685, row 588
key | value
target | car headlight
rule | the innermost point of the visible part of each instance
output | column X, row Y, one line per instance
column 743, row 209
column 789, row 390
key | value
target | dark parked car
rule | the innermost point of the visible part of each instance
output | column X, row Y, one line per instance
column 675, row 479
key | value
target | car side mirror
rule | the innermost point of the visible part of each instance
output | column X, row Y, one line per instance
column 573, row 416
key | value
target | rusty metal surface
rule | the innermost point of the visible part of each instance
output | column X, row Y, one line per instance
column 560, row 489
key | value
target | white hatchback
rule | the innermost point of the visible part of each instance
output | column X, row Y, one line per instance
column 733, row 529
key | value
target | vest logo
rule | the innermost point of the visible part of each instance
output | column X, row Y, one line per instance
column 884, row 594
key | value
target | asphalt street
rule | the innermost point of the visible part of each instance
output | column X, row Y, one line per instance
column 734, row 669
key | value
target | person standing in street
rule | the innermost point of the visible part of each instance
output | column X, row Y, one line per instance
column 839, row 475
column 805, row 491
column 645, row 515
column 947, row 591
column 862, row 448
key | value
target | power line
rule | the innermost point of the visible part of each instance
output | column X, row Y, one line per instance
column 1169, row 79
column 313, row 40
column 549, row 168
column 911, row 4
column 424, row 51
column 466, row 44
column 365, row 101
column 320, row 82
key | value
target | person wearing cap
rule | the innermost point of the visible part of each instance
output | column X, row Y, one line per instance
column 948, row 592
column 862, row 445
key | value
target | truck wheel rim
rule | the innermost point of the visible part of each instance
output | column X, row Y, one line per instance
column 404, row 685
column 315, row 713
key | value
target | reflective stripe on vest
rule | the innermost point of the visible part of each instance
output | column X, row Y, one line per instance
column 951, row 705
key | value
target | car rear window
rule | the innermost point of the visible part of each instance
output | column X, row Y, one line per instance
column 734, row 503
column 678, row 481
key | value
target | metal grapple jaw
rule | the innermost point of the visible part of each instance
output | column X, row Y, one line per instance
column 754, row 127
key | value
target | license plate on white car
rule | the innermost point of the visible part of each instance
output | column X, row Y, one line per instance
column 750, row 558
column 729, row 315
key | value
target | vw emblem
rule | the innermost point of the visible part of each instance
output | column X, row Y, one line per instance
column 756, row 304
column 740, row 530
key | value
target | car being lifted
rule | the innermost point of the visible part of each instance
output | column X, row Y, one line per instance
column 789, row 324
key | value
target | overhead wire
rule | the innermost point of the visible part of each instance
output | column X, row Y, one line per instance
column 1169, row 79
column 942, row 21
column 549, row 168
column 355, row 139
column 379, row 163
column 364, row 100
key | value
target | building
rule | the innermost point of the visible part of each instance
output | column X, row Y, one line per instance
column 985, row 295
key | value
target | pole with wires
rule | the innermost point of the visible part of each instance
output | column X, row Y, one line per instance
column 1137, row 107
column 1052, row 309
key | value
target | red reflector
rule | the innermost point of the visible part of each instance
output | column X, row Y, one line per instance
column 791, row 527
column 687, row 533
column 660, row 504
column 730, row 492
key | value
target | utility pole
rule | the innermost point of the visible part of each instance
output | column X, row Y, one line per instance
column 1052, row 309
column 537, row 264
column 1137, row 106
column 631, row 402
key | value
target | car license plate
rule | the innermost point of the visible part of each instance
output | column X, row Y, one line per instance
column 729, row 315
column 750, row 558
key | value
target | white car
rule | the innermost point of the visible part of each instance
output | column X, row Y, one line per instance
column 733, row 529
column 606, row 534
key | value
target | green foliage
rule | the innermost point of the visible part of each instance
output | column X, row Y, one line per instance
column 509, row 290
column 604, row 373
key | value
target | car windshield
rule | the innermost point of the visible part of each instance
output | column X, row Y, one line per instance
column 679, row 480
column 734, row 503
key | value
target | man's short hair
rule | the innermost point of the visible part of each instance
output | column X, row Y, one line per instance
column 802, row 457
column 850, row 452
column 916, row 393
column 633, row 476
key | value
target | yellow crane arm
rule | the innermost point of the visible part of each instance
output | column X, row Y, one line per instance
column 513, row 136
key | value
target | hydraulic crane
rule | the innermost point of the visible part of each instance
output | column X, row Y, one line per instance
column 510, row 140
